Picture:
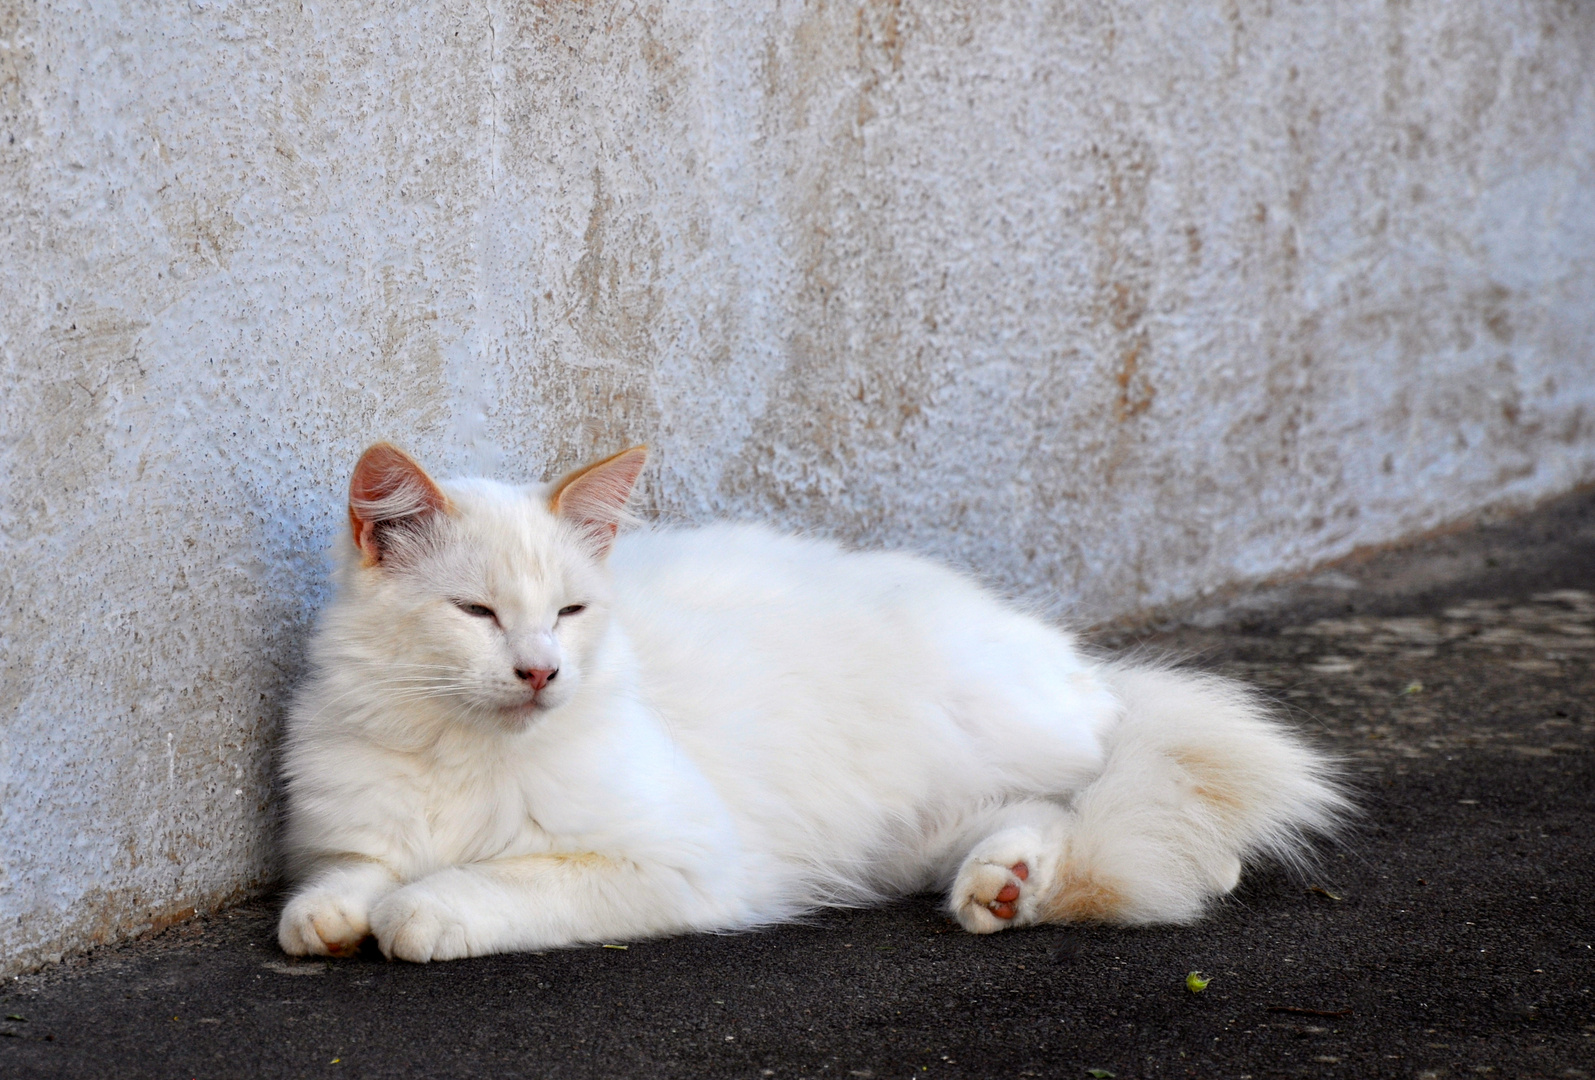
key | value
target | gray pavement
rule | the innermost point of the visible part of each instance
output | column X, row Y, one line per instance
column 1451, row 933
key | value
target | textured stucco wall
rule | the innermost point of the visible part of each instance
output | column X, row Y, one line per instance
column 1115, row 302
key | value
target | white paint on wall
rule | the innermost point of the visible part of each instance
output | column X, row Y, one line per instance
column 1115, row 303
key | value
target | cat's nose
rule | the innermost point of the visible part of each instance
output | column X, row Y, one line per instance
column 538, row 677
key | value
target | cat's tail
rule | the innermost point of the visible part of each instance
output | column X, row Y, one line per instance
column 1200, row 780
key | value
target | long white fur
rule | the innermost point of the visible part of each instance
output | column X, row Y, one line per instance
column 744, row 726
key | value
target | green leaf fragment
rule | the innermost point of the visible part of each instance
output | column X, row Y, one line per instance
column 1100, row 1074
column 14, row 1016
column 1413, row 687
column 1196, row 983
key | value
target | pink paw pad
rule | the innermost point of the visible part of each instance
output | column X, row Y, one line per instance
column 1002, row 905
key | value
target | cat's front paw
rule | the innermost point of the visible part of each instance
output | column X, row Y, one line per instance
column 416, row 924
column 322, row 922
column 993, row 890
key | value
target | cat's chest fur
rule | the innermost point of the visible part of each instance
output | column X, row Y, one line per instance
column 469, row 810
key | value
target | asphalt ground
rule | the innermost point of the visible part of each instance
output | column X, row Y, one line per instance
column 1450, row 933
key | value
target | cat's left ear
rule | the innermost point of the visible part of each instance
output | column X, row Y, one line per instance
column 593, row 498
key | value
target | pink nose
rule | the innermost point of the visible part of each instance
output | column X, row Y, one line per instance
column 538, row 677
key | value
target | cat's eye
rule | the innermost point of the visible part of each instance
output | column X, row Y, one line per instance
column 573, row 609
column 479, row 610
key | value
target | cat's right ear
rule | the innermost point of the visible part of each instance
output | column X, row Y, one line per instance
column 389, row 494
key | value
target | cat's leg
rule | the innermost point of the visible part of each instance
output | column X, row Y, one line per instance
column 1006, row 877
column 544, row 901
column 1198, row 779
column 330, row 913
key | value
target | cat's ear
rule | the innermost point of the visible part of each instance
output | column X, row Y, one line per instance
column 593, row 498
column 389, row 496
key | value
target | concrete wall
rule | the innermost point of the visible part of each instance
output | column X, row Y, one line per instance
column 1116, row 302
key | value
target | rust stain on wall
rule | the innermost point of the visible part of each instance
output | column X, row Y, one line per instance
column 1135, row 390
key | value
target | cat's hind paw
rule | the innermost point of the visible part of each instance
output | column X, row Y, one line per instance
column 322, row 923
column 990, row 897
column 414, row 924
column 998, row 886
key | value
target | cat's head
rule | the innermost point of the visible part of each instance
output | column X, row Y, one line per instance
column 480, row 601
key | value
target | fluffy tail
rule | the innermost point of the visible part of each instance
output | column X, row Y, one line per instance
column 1199, row 781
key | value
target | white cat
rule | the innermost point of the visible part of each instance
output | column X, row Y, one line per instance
column 520, row 732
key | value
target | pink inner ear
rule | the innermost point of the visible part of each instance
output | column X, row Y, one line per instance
column 595, row 497
column 388, row 485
